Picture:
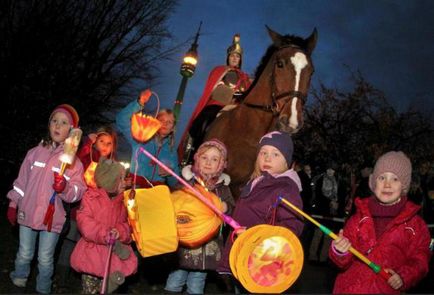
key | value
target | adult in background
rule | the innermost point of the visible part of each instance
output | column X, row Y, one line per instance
column 326, row 205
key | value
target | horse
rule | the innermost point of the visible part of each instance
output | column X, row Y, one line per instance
column 274, row 101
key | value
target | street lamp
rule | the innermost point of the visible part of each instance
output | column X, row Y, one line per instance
column 187, row 71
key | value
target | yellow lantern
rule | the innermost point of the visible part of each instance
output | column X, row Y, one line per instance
column 89, row 174
column 143, row 127
column 266, row 259
column 152, row 220
column 196, row 222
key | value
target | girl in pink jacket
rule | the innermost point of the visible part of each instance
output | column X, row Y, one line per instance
column 30, row 197
column 387, row 229
column 101, row 216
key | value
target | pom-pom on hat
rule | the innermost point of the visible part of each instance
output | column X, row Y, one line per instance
column 395, row 162
column 69, row 111
column 281, row 141
column 108, row 174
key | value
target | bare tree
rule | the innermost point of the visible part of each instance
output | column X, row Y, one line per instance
column 85, row 53
column 358, row 126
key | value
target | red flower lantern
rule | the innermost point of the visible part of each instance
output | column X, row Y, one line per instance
column 143, row 126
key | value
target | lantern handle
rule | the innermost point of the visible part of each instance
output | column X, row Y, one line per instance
column 142, row 109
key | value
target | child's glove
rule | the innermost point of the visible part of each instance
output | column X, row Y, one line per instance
column 59, row 183
column 144, row 96
column 121, row 250
column 12, row 215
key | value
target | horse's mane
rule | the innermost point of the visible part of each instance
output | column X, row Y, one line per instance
column 285, row 41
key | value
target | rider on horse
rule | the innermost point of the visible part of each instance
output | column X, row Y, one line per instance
column 225, row 86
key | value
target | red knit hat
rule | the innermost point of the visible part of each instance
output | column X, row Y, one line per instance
column 397, row 163
column 69, row 111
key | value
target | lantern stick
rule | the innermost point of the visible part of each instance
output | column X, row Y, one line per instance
column 375, row 267
column 227, row 219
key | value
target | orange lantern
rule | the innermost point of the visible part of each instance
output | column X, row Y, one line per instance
column 196, row 222
column 266, row 259
column 143, row 127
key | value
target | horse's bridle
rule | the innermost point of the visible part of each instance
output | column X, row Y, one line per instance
column 274, row 107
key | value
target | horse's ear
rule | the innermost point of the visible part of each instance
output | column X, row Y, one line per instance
column 311, row 41
column 276, row 37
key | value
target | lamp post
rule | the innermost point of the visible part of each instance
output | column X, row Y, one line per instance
column 187, row 71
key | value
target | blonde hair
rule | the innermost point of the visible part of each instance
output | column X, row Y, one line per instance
column 257, row 171
column 172, row 134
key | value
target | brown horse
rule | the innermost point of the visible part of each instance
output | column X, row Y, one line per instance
column 273, row 102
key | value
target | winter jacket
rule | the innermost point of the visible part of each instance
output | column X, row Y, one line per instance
column 403, row 247
column 97, row 215
column 207, row 256
column 163, row 152
column 256, row 203
column 32, row 189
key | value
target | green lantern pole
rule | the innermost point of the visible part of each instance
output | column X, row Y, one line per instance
column 187, row 71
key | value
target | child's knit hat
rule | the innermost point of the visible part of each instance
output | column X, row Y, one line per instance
column 220, row 146
column 108, row 174
column 395, row 162
column 281, row 141
column 69, row 111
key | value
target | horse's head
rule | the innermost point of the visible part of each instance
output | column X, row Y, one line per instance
column 291, row 72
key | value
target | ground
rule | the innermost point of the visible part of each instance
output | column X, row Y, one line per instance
column 314, row 279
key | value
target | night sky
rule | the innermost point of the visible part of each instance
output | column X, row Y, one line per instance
column 390, row 42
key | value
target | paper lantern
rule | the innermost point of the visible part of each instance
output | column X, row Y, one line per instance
column 196, row 222
column 268, row 259
column 143, row 127
column 152, row 220
column 89, row 174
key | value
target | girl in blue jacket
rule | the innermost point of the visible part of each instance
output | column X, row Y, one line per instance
column 161, row 145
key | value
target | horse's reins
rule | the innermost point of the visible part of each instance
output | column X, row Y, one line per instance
column 273, row 108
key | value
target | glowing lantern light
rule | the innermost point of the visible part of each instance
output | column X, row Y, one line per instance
column 152, row 220
column 196, row 222
column 89, row 174
column 266, row 259
column 143, row 126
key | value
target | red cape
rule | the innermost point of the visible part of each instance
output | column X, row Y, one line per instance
column 215, row 76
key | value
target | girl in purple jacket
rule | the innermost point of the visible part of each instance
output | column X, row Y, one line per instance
column 271, row 178
column 30, row 196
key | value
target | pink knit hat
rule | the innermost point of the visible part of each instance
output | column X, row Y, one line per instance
column 220, row 146
column 397, row 163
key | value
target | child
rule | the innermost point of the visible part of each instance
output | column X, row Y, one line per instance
column 272, row 178
column 102, row 214
column 209, row 163
column 387, row 229
column 100, row 144
column 31, row 195
column 161, row 145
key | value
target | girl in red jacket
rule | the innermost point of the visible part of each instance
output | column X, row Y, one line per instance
column 101, row 216
column 102, row 143
column 387, row 229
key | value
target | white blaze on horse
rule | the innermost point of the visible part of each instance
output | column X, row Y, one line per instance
column 274, row 102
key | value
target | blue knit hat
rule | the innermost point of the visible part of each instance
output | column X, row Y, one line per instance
column 281, row 141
